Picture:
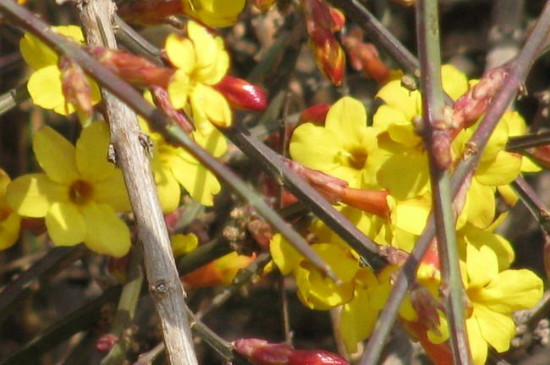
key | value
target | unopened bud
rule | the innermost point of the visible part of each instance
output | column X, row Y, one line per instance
column 315, row 114
column 263, row 5
column 469, row 107
column 364, row 57
column 330, row 58
column 76, row 87
column 135, row 70
column 106, row 342
column 261, row 352
column 370, row 201
column 541, row 155
column 242, row 94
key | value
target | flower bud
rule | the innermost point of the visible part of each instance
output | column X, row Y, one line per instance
column 106, row 342
column 541, row 155
column 364, row 57
column 469, row 107
column 330, row 58
column 76, row 88
column 315, row 114
column 241, row 94
column 135, row 70
column 261, row 352
column 150, row 12
column 217, row 272
column 370, row 201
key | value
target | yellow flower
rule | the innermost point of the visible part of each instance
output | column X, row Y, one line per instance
column 315, row 290
column 405, row 174
column 10, row 221
column 202, row 62
column 214, row 13
column 173, row 166
column 494, row 295
column 344, row 147
column 44, row 85
column 79, row 193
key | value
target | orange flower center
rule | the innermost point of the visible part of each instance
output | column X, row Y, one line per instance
column 80, row 192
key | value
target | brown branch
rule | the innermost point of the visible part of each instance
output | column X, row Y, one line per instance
column 126, row 137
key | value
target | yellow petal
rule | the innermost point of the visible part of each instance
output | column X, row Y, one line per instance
column 45, row 89
column 357, row 320
column 183, row 243
column 482, row 266
column 107, row 233
column 454, row 81
column 286, row 257
column 55, row 155
column 91, row 153
column 200, row 183
column 496, row 328
column 405, row 175
column 500, row 171
column 168, row 189
column 411, row 215
column 347, row 118
column 214, row 13
column 512, row 290
column 208, row 103
column 317, row 291
column 9, row 230
column 478, row 345
column 180, row 52
column 112, row 191
column 480, row 215
column 178, row 89
column 31, row 195
column 4, row 181
column 66, row 225
column 38, row 55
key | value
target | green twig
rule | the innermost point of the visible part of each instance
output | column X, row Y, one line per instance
column 533, row 202
column 13, row 98
column 438, row 142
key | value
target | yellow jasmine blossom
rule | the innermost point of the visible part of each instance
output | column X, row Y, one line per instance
column 202, row 62
column 79, row 193
column 405, row 174
column 214, row 13
column 344, row 147
column 493, row 296
column 315, row 290
column 183, row 243
column 10, row 221
column 44, row 85
column 174, row 166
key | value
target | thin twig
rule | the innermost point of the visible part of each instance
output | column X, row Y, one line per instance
column 438, row 142
column 164, row 284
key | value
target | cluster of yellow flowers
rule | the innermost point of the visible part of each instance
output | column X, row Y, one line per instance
column 389, row 156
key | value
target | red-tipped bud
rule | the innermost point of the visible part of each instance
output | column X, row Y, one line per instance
column 263, row 5
column 364, row 57
column 133, row 69
column 76, row 87
column 261, row 352
column 162, row 101
column 321, row 22
column 217, row 272
column 330, row 58
column 469, row 107
column 106, row 343
column 338, row 19
column 150, row 12
column 315, row 114
column 330, row 187
column 371, row 201
column 242, row 94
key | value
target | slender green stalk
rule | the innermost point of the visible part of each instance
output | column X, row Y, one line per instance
column 13, row 98
column 498, row 106
column 438, row 143
column 533, row 202
column 162, row 123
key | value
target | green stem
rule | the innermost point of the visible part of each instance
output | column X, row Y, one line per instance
column 13, row 98
column 438, row 143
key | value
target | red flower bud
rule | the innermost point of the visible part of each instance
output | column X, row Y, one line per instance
column 364, row 57
column 330, row 58
column 338, row 19
column 371, row 201
column 315, row 114
column 135, row 70
column 150, row 12
column 106, row 342
column 541, row 155
column 469, row 107
column 261, row 352
column 241, row 94
column 76, row 87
